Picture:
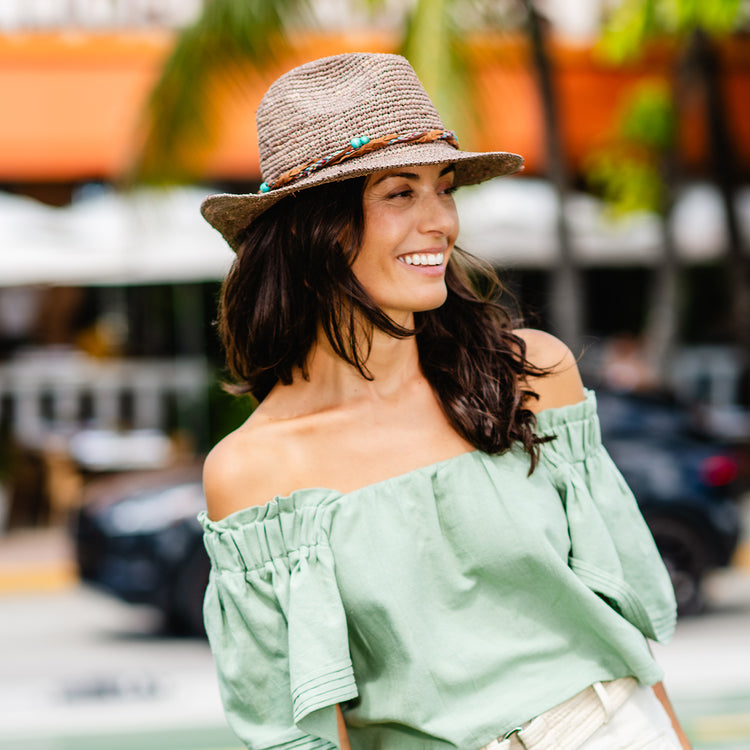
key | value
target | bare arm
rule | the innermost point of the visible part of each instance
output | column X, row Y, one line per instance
column 343, row 737
column 661, row 694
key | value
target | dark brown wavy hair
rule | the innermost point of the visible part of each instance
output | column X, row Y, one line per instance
column 293, row 276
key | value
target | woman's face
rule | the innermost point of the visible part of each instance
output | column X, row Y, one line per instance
column 410, row 227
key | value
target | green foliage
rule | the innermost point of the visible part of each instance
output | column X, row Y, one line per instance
column 649, row 117
column 431, row 44
column 628, row 27
column 627, row 172
column 629, row 180
column 713, row 16
column 434, row 42
column 373, row 6
column 227, row 34
column 226, row 412
column 632, row 23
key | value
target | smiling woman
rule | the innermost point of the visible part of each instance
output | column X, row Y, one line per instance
column 417, row 539
column 410, row 220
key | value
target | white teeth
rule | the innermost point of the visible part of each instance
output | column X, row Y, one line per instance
column 423, row 259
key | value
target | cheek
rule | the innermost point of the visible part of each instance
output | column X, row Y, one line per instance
column 381, row 231
column 365, row 265
column 379, row 241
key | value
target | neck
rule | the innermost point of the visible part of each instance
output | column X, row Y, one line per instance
column 393, row 363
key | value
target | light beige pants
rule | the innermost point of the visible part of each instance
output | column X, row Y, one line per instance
column 619, row 715
column 641, row 723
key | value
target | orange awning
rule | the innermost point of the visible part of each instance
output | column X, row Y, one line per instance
column 72, row 101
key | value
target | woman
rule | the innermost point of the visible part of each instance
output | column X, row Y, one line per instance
column 417, row 540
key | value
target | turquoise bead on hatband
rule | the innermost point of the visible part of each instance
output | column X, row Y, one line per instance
column 264, row 187
column 355, row 143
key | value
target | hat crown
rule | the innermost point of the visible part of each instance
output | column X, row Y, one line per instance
column 316, row 109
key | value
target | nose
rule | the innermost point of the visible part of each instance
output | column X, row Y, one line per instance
column 438, row 215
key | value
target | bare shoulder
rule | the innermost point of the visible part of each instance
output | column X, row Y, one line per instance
column 244, row 469
column 562, row 384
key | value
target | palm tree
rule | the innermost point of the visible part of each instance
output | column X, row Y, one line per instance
column 227, row 35
column 703, row 58
column 637, row 171
column 567, row 289
column 695, row 27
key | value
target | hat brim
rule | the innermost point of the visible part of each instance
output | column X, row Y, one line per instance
column 231, row 214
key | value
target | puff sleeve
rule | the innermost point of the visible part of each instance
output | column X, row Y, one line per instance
column 277, row 627
column 612, row 550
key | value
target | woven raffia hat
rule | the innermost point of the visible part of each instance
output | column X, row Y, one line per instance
column 341, row 117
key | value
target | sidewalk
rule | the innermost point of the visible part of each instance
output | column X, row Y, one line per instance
column 36, row 560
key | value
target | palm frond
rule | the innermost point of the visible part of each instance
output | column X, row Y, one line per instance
column 228, row 36
column 632, row 23
column 432, row 44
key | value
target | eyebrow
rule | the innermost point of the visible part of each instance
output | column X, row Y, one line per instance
column 411, row 175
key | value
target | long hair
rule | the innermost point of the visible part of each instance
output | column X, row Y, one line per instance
column 292, row 277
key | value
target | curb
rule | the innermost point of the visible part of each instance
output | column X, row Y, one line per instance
column 741, row 557
column 38, row 579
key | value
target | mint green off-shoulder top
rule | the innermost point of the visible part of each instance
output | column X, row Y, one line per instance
column 442, row 607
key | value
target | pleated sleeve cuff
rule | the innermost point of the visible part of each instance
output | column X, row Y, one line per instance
column 277, row 626
column 612, row 550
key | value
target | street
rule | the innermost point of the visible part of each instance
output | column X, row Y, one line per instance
column 81, row 671
column 706, row 666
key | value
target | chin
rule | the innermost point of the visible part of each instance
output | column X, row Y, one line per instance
column 430, row 303
column 418, row 301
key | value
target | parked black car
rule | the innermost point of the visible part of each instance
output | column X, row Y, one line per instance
column 684, row 481
column 139, row 538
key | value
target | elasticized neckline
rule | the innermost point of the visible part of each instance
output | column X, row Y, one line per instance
column 554, row 421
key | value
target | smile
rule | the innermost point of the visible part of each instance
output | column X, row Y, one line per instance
column 422, row 259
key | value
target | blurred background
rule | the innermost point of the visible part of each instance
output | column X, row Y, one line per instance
column 627, row 234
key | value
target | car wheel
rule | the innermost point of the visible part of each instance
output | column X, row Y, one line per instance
column 686, row 558
column 185, row 615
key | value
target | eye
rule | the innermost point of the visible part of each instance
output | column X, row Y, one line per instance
column 449, row 189
column 405, row 193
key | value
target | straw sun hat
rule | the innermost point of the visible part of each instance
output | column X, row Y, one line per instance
column 341, row 117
